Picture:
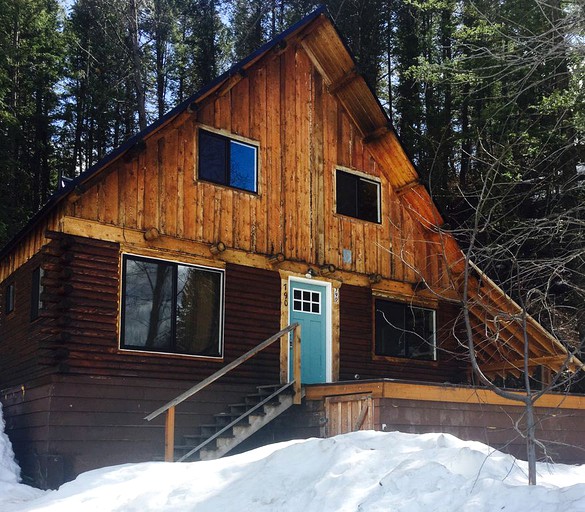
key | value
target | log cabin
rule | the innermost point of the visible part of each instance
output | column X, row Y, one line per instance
column 274, row 209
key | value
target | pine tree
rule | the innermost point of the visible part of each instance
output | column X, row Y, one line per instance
column 31, row 53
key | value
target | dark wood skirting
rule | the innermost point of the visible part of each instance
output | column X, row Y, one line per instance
column 74, row 424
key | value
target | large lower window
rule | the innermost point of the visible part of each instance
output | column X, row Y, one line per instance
column 170, row 307
column 403, row 330
column 227, row 161
column 357, row 196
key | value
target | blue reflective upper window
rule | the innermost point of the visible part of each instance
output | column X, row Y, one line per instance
column 227, row 161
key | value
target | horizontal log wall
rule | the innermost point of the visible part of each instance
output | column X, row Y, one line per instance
column 304, row 135
column 77, row 332
column 357, row 345
column 22, row 354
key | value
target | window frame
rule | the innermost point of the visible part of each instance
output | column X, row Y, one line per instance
column 141, row 349
column 407, row 309
column 359, row 176
column 9, row 303
column 228, row 138
column 37, row 290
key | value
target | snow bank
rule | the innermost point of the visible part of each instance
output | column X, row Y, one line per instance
column 359, row 472
column 9, row 471
column 11, row 492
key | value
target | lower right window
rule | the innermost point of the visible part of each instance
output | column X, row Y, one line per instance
column 404, row 330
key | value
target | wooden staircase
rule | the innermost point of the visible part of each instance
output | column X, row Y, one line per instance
column 236, row 424
column 241, row 420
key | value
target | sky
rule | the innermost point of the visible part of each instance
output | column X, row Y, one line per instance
column 360, row 472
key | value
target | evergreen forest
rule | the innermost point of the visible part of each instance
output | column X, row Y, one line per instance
column 486, row 95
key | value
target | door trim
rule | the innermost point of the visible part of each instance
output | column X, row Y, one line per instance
column 328, row 320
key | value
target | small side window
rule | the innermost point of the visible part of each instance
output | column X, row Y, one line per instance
column 9, row 298
column 37, row 292
column 228, row 161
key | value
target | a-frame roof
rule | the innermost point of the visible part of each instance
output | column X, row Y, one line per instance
column 319, row 38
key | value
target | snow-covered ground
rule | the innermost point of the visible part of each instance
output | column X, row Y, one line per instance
column 363, row 471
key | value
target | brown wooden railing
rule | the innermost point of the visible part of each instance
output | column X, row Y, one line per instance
column 170, row 406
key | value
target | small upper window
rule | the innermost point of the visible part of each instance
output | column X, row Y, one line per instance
column 227, row 161
column 37, row 292
column 357, row 196
column 406, row 331
column 10, row 298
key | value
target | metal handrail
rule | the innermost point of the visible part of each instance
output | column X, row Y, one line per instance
column 169, row 407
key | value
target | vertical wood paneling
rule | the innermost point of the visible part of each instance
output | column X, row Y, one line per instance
column 303, row 134
column 316, row 150
column 181, row 143
column 190, row 204
column 288, row 141
column 331, row 240
column 170, row 159
column 273, row 172
column 303, row 228
column 258, row 131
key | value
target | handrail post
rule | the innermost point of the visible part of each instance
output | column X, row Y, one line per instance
column 170, row 434
column 297, row 364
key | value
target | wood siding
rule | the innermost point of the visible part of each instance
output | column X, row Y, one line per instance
column 303, row 134
column 357, row 360
column 22, row 353
column 77, row 332
column 74, row 424
column 561, row 432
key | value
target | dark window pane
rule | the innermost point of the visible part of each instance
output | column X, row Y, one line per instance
column 389, row 329
column 368, row 197
column 9, row 298
column 315, row 297
column 198, row 311
column 297, row 305
column 420, row 333
column 306, row 295
column 37, row 291
column 346, row 193
column 297, row 294
column 148, row 305
column 306, row 306
column 212, row 157
column 242, row 166
column 315, row 308
column 404, row 331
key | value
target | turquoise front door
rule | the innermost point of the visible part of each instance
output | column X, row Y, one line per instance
column 308, row 307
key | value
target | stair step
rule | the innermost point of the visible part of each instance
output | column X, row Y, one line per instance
column 270, row 388
column 241, row 408
column 210, row 430
column 256, row 399
column 250, row 423
column 224, row 419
